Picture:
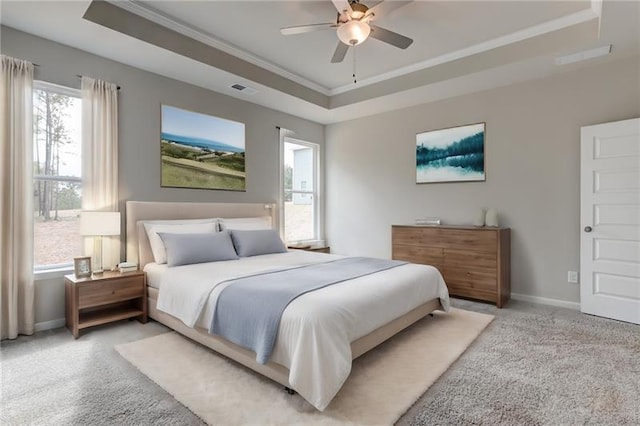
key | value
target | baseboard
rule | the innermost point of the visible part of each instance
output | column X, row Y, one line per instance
column 48, row 325
column 544, row 301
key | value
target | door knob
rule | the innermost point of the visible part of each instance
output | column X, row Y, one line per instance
column 587, row 229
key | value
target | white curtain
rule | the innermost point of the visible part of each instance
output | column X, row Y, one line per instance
column 100, row 157
column 16, row 197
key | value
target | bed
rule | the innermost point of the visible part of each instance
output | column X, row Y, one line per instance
column 367, row 311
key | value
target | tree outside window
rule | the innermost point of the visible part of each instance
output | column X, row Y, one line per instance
column 57, row 174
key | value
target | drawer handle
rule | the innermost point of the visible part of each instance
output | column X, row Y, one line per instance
column 113, row 292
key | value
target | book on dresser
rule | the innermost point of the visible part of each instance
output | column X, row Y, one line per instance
column 474, row 261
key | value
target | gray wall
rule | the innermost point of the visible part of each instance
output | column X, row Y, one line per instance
column 532, row 158
column 532, row 168
column 139, row 131
column 139, row 113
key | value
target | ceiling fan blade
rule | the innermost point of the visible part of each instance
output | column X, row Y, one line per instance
column 340, row 53
column 300, row 29
column 383, row 8
column 343, row 7
column 393, row 38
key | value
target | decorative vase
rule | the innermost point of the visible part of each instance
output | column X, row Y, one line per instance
column 491, row 218
column 479, row 219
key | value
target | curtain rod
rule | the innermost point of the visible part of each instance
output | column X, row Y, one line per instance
column 79, row 76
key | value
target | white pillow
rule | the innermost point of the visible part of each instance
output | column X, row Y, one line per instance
column 188, row 226
column 246, row 223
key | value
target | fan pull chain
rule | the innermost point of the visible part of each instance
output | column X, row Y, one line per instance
column 354, row 64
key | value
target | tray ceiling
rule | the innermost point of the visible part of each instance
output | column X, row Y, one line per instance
column 459, row 46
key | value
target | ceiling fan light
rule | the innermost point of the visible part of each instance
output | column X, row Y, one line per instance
column 353, row 32
column 358, row 10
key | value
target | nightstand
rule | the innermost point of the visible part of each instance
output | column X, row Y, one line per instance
column 105, row 298
column 319, row 249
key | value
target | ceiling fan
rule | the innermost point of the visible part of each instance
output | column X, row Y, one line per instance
column 353, row 26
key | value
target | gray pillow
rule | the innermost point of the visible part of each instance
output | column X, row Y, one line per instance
column 256, row 242
column 186, row 249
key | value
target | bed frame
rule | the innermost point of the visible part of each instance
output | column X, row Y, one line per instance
column 139, row 251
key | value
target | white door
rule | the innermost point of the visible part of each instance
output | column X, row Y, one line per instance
column 610, row 220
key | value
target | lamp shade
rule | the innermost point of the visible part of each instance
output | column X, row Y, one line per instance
column 353, row 32
column 99, row 223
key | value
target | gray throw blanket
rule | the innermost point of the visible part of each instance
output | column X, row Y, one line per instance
column 249, row 309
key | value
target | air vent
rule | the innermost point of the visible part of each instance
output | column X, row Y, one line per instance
column 584, row 55
column 244, row 89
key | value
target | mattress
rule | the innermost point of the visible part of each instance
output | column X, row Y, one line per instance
column 154, row 274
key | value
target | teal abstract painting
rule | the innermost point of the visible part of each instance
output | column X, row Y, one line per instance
column 455, row 154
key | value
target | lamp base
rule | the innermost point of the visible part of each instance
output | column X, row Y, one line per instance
column 96, row 261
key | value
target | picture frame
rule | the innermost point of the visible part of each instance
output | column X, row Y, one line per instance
column 453, row 154
column 82, row 266
column 201, row 151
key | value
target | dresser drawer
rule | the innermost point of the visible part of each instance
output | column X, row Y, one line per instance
column 100, row 293
column 480, row 240
column 470, row 260
column 480, row 294
column 423, row 255
column 470, row 269
column 411, row 236
column 480, row 279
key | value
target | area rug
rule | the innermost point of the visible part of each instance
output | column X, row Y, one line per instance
column 383, row 383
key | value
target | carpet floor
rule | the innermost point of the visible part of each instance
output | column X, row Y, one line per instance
column 382, row 385
column 533, row 365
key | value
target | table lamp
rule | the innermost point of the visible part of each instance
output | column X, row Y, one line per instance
column 98, row 225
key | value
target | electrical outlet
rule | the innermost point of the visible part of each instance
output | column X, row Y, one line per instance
column 572, row 277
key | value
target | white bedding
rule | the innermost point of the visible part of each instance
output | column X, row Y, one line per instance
column 155, row 272
column 317, row 328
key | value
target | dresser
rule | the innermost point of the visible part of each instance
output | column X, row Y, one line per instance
column 475, row 262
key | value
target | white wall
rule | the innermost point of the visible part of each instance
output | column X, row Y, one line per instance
column 532, row 170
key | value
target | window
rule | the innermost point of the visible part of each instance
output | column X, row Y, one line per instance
column 57, row 173
column 300, row 209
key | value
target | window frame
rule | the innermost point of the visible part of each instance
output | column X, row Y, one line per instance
column 51, row 270
column 315, row 191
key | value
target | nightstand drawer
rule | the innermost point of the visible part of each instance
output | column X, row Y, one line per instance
column 317, row 249
column 100, row 293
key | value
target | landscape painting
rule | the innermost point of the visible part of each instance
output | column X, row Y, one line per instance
column 451, row 155
column 201, row 151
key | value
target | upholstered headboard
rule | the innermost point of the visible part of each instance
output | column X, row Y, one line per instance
column 138, row 248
